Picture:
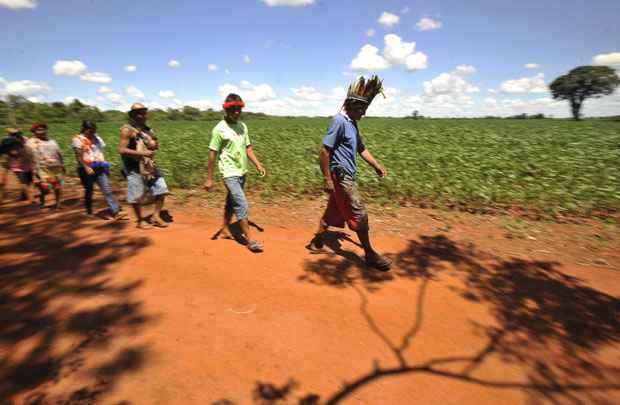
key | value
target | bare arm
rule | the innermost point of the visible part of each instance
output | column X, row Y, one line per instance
column 211, row 169
column 324, row 162
column 254, row 160
column 367, row 156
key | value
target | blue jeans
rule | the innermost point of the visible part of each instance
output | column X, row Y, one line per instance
column 235, row 200
column 101, row 178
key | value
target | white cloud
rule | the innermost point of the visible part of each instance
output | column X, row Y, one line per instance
column 388, row 19
column 104, row 90
column 534, row 84
column 25, row 88
column 202, row 104
column 174, row 63
column 288, row 3
column 68, row 68
column 405, row 10
column 607, row 59
column 531, row 66
column 18, row 4
column 370, row 32
column 167, row 94
column 248, row 91
column 131, row 68
column 307, row 93
column 427, row 24
column 492, row 91
column 465, row 70
column 212, row 68
column 368, row 58
column 35, row 99
column 396, row 52
column 115, row 97
column 247, row 59
column 96, row 77
column 447, row 84
column 134, row 92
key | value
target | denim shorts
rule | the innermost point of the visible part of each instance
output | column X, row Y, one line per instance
column 137, row 187
column 235, row 200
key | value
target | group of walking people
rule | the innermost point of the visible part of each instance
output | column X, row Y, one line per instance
column 38, row 161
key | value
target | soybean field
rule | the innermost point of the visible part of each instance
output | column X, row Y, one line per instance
column 556, row 166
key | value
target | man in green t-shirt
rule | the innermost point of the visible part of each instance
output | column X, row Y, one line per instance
column 230, row 146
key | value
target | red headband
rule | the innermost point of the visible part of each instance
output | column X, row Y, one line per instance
column 230, row 104
column 38, row 125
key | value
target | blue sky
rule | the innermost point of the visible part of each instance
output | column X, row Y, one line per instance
column 443, row 58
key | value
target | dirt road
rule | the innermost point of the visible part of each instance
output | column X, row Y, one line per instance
column 478, row 309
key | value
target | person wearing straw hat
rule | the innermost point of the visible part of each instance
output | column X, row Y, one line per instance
column 49, row 168
column 338, row 153
column 230, row 146
column 137, row 147
column 92, row 168
column 18, row 162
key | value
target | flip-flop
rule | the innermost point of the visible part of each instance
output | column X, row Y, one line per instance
column 255, row 246
column 158, row 224
column 379, row 262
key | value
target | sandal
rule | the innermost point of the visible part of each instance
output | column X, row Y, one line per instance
column 255, row 246
column 378, row 262
column 158, row 223
column 143, row 224
column 316, row 245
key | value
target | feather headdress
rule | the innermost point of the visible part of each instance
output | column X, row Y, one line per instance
column 365, row 90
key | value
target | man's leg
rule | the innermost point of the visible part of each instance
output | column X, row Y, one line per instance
column 228, row 214
column 57, row 196
column 135, row 191
column 159, row 189
column 87, row 183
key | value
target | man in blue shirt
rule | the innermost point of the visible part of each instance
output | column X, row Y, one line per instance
column 338, row 155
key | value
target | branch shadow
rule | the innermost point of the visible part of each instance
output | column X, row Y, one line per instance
column 59, row 304
column 549, row 324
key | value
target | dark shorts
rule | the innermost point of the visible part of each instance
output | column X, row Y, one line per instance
column 345, row 204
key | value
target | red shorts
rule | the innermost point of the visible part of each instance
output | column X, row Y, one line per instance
column 345, row 205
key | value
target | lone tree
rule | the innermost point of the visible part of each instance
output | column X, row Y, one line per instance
column 584, row 82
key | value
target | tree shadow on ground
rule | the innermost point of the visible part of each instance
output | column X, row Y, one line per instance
column 550, row 325
column 59, row 304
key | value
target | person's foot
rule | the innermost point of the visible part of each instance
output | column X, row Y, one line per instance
column 255, row 246
column 378, row 262
column 225, row 234
column 316, row 244
column 158, row 222
column 120, row 216
column 143, row 224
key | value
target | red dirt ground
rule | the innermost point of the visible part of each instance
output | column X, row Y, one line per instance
column 477, row 310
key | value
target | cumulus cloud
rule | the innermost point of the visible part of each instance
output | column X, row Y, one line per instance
column 212, row 68
column 202, row 104
column 247, row 59
column 174, row 63
column 388, row 19
column 534, row 84
column 18, row 4
column 427, row 24
column 307, row 93
column 396, row 52
column 465, row 70
column 370, row 32
column 134, row 92
column 115, row 97
column 531, row 66
column 104, row 90
column 368, row 58
column 131, row 68
column 248, row 91
column 447, row 84
column 25, row 88
column 167, row 94
column 68, row 68
column 288, row 3
column 607, row 59
column 96, row 77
